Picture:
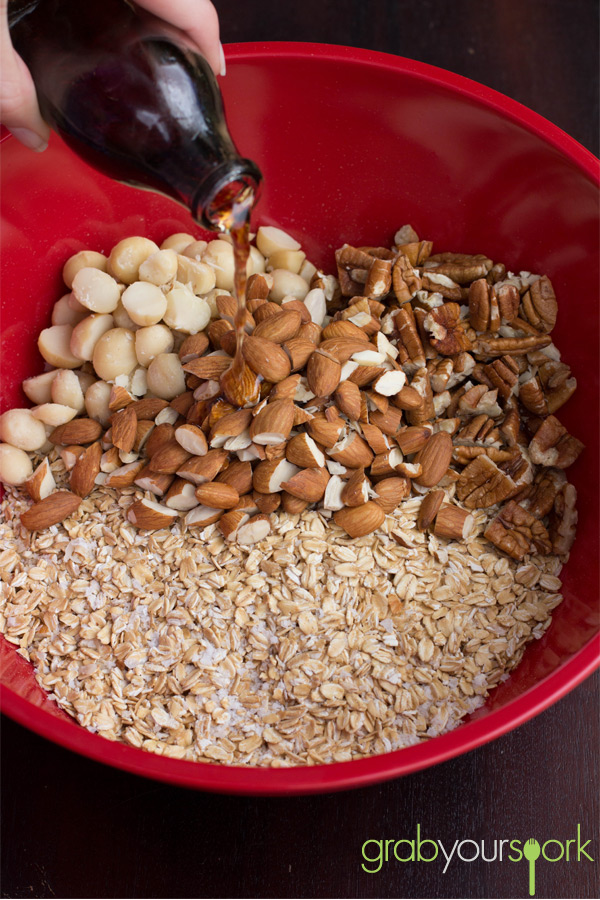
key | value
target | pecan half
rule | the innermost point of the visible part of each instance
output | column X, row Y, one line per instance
column 460, row 267
column 503, row 374
column 483, row 484
column 492, row 305
column 446, row 331
column 407, row 337
column 487, row 345
column 542, row 492
column 379, row 279
column 552, row 445
column 416, row 251
column 517, row 532
column 532, row 397
column 540, row 306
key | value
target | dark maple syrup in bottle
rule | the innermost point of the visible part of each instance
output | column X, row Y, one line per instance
column 124, row 91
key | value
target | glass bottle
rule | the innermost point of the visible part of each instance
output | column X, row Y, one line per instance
column 124, row 91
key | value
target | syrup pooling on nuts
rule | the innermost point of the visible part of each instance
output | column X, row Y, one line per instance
column 409, row 374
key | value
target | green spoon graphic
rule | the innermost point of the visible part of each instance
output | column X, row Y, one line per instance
column 531, row 851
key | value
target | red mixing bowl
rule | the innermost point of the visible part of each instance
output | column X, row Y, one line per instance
column 352, row 144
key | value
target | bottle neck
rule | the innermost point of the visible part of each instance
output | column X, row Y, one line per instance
column 226, row 194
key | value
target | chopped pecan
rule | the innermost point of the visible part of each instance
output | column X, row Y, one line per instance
column 563, row 520
column 477, row 400
column 510, row 426
column 475, row 430
column 517, row 532
column 552, row 445
column 405, row 279
column 483, row 484
column 492, row 305
column 532, row 397
column 503, row 374
column 379, row 279
column 464, row 454
column 422, row 386
column 440, row 371
column 420, row 316
column 379, row 252
column 435, row 281
column 487, row 345
column 416, row 251
column 540, row 306
column 559, row 396
column 544, row 488
column 552, row 372
column 460, row 267
column 446, row 331
column 407, row 337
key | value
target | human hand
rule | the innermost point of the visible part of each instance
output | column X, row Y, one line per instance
column 19, row 110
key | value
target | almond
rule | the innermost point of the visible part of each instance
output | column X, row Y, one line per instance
column 299, row 351
column 310, row 332
column 333, row 493
column 70, row 454
column 169, row 458
column 307, row 484
column 182, row 402
column 259, row 286
column 216, row 332
column 302, row 451
column 269, row 475
column 157, row 483
column 231, row 521
column 143, row 430
column 390, row 383
column 266, row 503
column 50, row 511
column 273, row 423
column 200, row 469
column 293, row 506
column 124, row 476
column 266, row 310
column 41, row 484
column 209, row 367
column 301, row 416
column 78, row 431
column 83, row 473
column 343, row 348
column 347, row 399
column 239, row 475
column 248, row 504
column 434, row 458
column 386, row 463
column 254, row 530
column 266, row 358
column 326, row 433
column 192, row 439
column 389, row 422
column 279, row 328
column 413, row 438
column 119, row 398
column 217, row 495
column 343, row 329
column 453, row 523
column 408, row 398
column 124, row 426
column 375, row 438
column 193, row 346
column 299, row 306
column 390, row 491
column 429, row 509
column 357, row 521
column 230, row 425
column 181, row 495
column 376, row 401
column 286, row 389
column 161, row 436
column 201, row 516
column 352, row 452
column 207, row 391
column 364, row 375
column 356, row 490
column 150, row 516
column 149, row 407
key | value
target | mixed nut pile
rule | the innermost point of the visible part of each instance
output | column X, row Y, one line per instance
column 407, row 375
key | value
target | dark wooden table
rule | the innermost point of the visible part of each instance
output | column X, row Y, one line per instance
column 73, row 828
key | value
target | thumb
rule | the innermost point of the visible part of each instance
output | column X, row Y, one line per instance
column 19, row 110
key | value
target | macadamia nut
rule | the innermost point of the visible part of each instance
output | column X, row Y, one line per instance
column 68, row 311
column 270, row 239
column 159, row 268
column 114, row 354
column 166, row 378
column 127, row 256
column 151, row 341
column 87, row 333
column 15, row 465
column 97, row 398
column 54, row 344
column 287, row 284
column 96, row 290
column 66, row 389
column 186, row 312
column 20, row 428
column 198, row 276
column 83, row 259
column 39, row 388
column 145, row 303
column 178, row 242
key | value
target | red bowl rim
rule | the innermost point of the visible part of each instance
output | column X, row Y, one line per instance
column 363, row 772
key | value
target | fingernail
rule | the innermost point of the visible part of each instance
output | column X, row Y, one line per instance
column 223, row 69
column 30, row 139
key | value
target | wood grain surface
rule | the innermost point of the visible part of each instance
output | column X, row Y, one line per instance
column 73, row 828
